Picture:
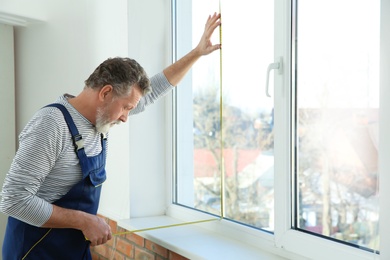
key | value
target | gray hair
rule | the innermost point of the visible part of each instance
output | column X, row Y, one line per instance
column 121, row 74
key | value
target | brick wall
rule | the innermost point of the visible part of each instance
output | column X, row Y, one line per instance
column 131, row 247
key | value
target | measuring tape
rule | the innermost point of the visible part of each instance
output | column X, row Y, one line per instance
column 166, row 226
column 221, row 118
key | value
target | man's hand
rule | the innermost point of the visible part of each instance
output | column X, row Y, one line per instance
column 176, row 72
column 205, row 45
column 96, row 230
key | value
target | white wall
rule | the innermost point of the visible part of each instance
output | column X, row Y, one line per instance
column 56, row 55
column 149, row 43
column 62, row 43
column 7, row 106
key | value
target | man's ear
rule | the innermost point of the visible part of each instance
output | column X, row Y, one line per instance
column 105, row 93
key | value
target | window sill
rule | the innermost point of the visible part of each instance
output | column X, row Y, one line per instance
column 193, row 241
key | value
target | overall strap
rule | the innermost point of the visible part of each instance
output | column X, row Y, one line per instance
column 78, row 141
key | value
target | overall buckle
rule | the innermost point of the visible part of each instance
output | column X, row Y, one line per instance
column 78, row 142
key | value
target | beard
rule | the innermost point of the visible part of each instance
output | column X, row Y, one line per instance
column 103, row 121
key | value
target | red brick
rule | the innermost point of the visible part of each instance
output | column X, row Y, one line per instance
column 102, row 250
column 94, row 255
column 111, row 242
column 131, row 246
column 159, row 257
column 113, row 225
column 138, row 240
column 121, row 232
column 124, row 246
column 115, row 255
column 156, row 248
column 175, row 256
column 142, row 254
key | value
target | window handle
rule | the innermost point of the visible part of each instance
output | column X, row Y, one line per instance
column 272, row 66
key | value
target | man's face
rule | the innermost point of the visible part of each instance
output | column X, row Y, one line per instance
column 117, row 110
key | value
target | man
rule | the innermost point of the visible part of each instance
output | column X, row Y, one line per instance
column 52, row 189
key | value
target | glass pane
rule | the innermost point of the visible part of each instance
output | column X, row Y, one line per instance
column 198, row 137
column 240, row 147
column 337, row 119
column 247, row 125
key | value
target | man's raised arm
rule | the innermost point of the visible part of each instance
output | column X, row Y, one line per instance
column 176, row 72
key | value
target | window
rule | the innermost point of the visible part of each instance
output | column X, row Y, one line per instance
column 302, row 163
column 226, row 133
column 337, row 105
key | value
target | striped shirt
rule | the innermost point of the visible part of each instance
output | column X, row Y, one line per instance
column 46, row 166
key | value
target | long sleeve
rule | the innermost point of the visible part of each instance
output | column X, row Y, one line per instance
column 39, row 147
column 160, row 86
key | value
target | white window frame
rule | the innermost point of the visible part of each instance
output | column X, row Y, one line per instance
column 384, row 130
column 285, row 239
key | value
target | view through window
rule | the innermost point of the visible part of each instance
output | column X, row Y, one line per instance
column 337, row 104
column 231, row 124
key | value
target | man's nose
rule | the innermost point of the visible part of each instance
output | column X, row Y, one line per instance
column 124, row 117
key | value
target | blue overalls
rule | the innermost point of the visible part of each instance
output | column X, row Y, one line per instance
column 23, row 241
